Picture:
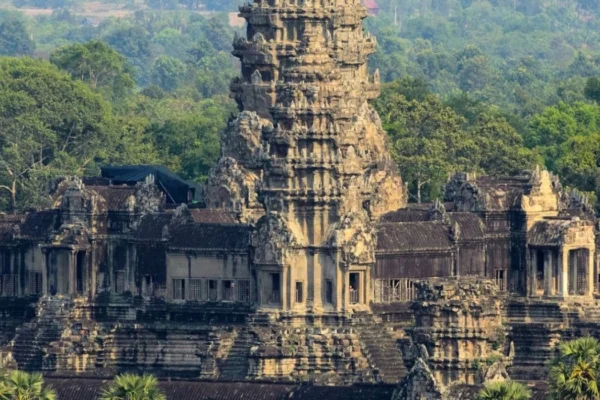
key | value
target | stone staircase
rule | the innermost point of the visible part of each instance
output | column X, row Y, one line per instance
column 381, row 350
column 536, row 328
column 538, row 312
column 235, row 366
column 33, row 338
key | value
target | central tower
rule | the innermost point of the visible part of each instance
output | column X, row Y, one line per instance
column 306, row 158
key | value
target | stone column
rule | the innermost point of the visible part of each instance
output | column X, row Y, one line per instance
column 368, row 287
column 259, row 289
column 44, row 271
column 591, row 277
column 548, row 286
column 532, row 272
column 72, row 272
column 574, row 271
column 93, row 271
column 285, row 283
column 563, row 270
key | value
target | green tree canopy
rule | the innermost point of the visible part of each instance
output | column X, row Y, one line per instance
column 555, row 125
column 186, row 132
column 168, row 73
column 14, row 38
column 97, row 64
column 592, row 89
column 430, row 140
column 49, row 125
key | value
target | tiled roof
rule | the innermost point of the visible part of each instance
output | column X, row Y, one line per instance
column 412, row 236
column 471, row 226
column 406, row 215
column 211, row 236
column 90, row 389
column 6, row 229
column 38, row 225
column 212, row 216
column 548, row 232
column 151, row 226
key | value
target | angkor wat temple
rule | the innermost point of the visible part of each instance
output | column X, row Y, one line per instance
column 299, row 260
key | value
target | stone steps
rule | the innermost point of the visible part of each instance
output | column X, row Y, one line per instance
column 32, row 340
column 382, row 351
column 235, row 366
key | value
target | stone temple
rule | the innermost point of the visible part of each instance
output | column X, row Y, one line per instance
column 299, row 260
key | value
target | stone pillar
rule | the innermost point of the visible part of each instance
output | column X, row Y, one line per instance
column 44, row 271
column 72, row 272
column 563, row 270
column 285, row 284
column 532, row 286
column 548, row 286
column 591, row 277
column 573, row 271
column 93, row 271
column 368, row 288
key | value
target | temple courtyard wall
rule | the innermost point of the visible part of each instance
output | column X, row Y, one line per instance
column 464, row 331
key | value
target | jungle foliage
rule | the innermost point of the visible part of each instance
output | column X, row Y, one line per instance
column 490, row 86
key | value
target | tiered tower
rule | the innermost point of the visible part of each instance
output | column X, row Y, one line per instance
column 307, row 154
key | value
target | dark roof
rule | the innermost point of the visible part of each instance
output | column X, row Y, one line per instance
column 548, row 232
column 38, row 225
column 176, row 189
column 471, row 226
column 406, row 215
column 6, row 229
column 151, row 226
column 212, row 216
column 90, row 389
column 211, row 236
column 116, row 196
column 412, row 236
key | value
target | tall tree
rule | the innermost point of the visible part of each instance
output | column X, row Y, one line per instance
column 428, row 141
column 133, row 387
column 97, row 64
column 49, row 125
column 14, row 38
column 592, row 90
column 502, row 149
column 168, row 73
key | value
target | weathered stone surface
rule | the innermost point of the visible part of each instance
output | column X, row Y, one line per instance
column 460, row 328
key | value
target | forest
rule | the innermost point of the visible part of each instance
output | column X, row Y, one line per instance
column 487, row 86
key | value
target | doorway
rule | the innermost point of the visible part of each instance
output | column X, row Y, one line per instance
column 80, row 273
column 354, row 287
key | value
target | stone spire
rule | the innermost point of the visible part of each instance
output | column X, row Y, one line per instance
column 310, row 146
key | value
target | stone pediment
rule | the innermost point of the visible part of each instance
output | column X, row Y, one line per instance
column 274, row 238
column 354, row 236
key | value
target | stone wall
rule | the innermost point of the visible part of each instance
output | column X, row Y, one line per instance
column 459, row 328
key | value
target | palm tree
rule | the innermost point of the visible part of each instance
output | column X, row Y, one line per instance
column 508, row 390
column 19, row 385
column 574, row 371
column 134, row 387
column 6, row 391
